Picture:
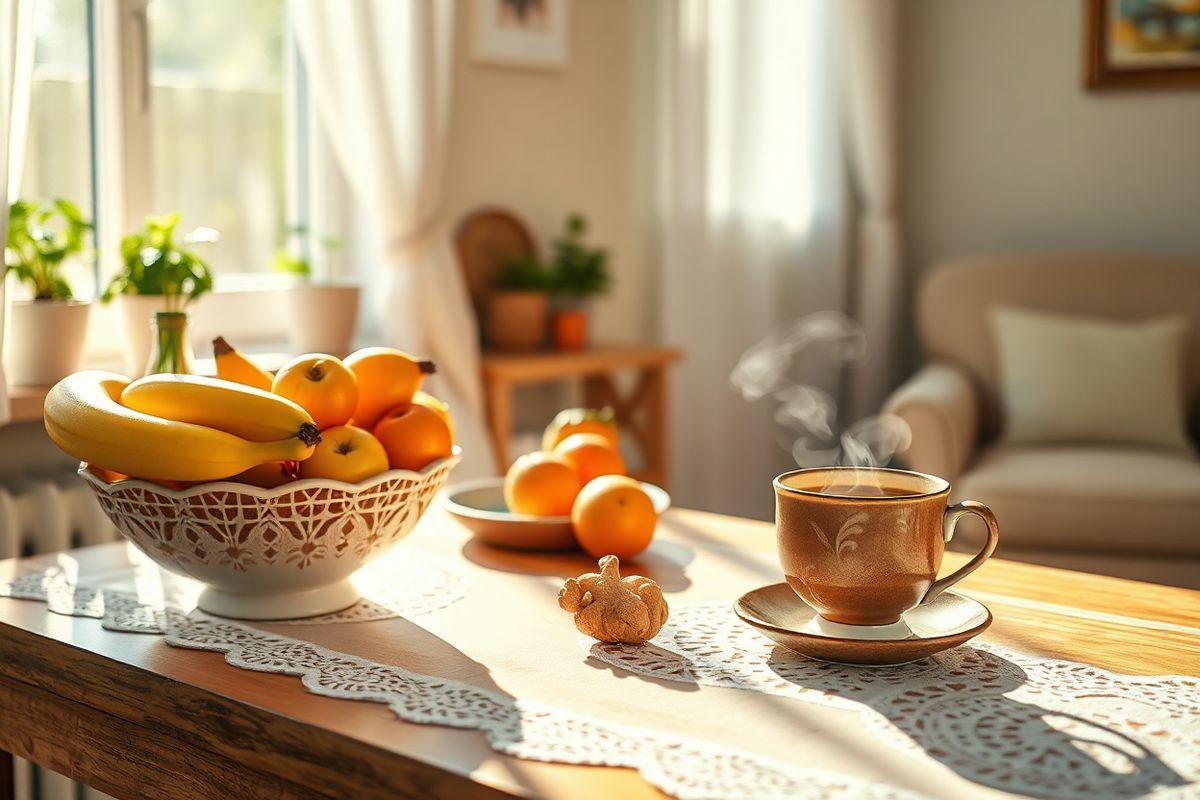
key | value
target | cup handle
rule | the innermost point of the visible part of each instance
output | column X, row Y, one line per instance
column 953, row 514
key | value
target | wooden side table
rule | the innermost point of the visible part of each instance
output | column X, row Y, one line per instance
column 642, row 412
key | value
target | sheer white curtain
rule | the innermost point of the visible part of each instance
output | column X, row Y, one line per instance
column 16, row 72
column 752, row 218
column 869, row 47
column 380, row 74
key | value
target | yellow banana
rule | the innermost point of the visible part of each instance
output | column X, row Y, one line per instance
column 232, row 365
column 85, row 418
column 214, row 403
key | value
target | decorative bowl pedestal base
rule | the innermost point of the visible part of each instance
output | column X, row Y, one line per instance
column 279, row 605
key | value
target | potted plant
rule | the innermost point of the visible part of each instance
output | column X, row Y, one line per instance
column 578, row 272
column 517, row 307
column 156, row 284
column 322, row 315
column 48, row 332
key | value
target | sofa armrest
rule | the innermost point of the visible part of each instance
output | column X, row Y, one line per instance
column 940, row 407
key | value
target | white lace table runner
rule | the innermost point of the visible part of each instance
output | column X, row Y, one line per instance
column 1022, row 724
column 417, row 584
column 680, row 766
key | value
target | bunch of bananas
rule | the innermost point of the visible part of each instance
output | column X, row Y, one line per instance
column 175, row 427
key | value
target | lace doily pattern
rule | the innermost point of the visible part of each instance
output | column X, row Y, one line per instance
column 1027, row 725
column 680, row 766
column 417, row 585
column 232, row 529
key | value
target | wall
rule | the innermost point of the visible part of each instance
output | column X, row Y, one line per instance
column 1002, row 148
column 545, row 143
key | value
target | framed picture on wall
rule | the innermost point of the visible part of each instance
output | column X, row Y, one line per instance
column 531, row 34
column 1141, row 43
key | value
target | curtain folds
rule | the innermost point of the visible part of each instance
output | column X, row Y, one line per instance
column 752, row 217
column 869, row 48
column 380, row 73
column 16, row 74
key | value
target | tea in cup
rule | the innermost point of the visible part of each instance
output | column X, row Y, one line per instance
column 863, row 545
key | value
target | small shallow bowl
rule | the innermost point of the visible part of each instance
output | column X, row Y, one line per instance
column 479, row 505
column 278, row 553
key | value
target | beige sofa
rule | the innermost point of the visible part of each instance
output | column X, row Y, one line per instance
column 1116, row 510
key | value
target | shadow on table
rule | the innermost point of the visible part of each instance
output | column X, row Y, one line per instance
column 975, row 729
column 664, row 562
column 428, row 666
column 672, row 660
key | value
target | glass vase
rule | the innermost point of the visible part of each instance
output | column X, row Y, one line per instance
column 171, row 346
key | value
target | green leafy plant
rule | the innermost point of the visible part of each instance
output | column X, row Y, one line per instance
column 578, row 271
column 293, row 257
column 524, row 274
column 155, row 266
column 35, row 250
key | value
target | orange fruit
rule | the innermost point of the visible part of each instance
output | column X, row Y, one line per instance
column 345, row 453
column 541, row 484
column 591, row 455
column 602, row 421
column 387, row 378
column 413, row 436
column 268, row 475
column 321, row 385
column 613, row 516
column 436, row 406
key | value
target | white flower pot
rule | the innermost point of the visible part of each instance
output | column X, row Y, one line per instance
column 45, row 340
column 136, row 312
column 322, row 318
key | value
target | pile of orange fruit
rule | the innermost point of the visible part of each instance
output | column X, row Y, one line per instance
column 369, row 408
column 579, row 473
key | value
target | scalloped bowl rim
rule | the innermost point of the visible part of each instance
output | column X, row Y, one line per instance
column 266, row 494
column 659, row 496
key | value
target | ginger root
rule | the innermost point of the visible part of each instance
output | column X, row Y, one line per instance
column 614, row 609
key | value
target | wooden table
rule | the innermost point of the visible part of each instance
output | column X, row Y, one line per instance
column 642, row 413
column 134, row 717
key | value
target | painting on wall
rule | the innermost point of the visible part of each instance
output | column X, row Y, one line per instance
column 521, row 33
column 1142, row 43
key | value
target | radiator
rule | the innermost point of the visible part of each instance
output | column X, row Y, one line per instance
column 43, row 514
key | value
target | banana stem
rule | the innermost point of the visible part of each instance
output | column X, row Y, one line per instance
column 309, row 434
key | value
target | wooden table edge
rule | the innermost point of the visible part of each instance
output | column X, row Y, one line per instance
column 194, row 720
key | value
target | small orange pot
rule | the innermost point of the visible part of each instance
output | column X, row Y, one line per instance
column 570, row 329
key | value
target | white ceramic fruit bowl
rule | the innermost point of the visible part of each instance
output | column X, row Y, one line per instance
column 278, row 553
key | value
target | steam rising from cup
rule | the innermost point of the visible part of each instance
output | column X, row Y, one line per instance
column 806, row 415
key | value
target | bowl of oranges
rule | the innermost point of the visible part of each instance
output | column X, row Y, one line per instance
column 572, row 494
column 271, row 490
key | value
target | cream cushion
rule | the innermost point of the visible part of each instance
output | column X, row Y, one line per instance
column 1098, row 499
column 1066, row 378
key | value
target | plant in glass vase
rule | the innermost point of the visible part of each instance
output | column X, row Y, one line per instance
column 157, row 281
column 578, row 273
column 518, row 305
column 323, row 314
column 48, row 331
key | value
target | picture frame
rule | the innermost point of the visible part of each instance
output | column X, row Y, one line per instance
column 1141, row 43
column 525, row 34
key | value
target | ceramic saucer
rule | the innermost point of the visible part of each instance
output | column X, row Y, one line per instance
column 948, row 621
column 479, row 505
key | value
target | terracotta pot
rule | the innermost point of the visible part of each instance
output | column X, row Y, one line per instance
column 136, row 312
column 570, row 329
column 517, row 320
column 45, row 340
column 323, row 317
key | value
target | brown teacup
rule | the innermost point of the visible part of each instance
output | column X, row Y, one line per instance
column 864, row 545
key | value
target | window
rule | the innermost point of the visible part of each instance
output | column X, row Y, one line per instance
column 195, row 102
column 58, row 145
column 217, row 112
